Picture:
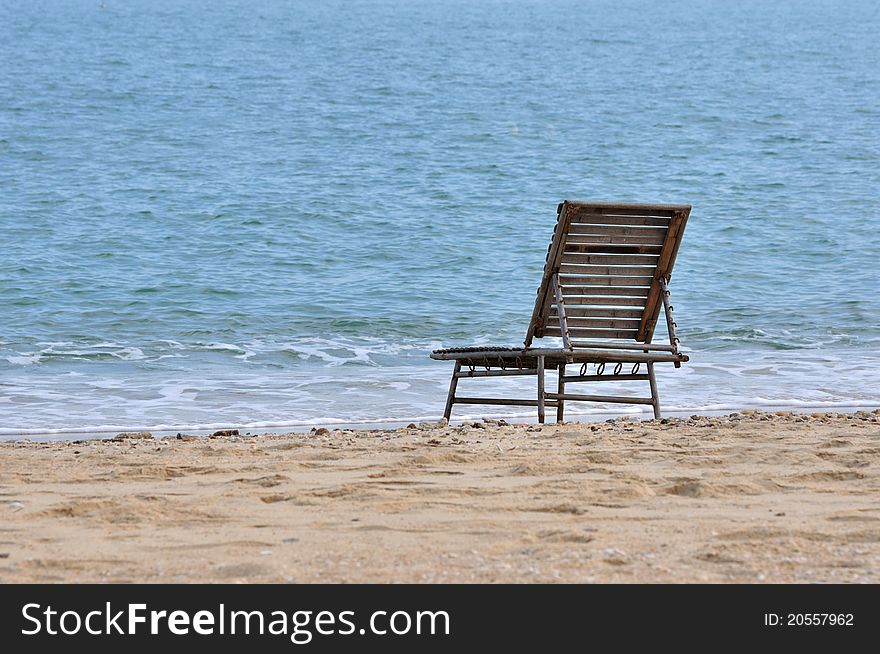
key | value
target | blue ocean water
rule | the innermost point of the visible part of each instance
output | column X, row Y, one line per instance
column 267, row 213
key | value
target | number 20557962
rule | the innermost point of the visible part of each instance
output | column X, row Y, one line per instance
column 808, row 619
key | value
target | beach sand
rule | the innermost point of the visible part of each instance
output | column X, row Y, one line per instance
column 752, row 497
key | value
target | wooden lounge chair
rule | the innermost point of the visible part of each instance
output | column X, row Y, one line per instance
column 606, row 277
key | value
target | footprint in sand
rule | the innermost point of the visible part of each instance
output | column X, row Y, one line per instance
column 564, row 536
column 268, row 481
column 831, row 475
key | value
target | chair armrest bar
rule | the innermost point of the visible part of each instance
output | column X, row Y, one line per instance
column 640, row 347
column 670, row 319
column 560, row 311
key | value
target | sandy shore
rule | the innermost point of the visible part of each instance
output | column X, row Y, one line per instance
column 753, row 497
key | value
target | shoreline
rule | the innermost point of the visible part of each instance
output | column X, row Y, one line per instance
column 747, row 498
column 270, row 428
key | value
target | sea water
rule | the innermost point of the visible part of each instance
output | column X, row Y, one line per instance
column 267, row 213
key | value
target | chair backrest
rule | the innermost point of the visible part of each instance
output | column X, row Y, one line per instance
column 603, row 270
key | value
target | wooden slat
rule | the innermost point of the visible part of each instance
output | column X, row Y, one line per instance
column 578, row 312
column 611, row 259
column 664, row 266
column 585, row 245
column 572, row 303
column 584, row 332
column 645, row 347
column 501, row 401
column 617, row 230
column 603, row 280
column 606, row 239
column 494, row 356
column 573, row 379
column 621, row 209
column 622, row 271
column 605, row 219
column 619, row 399
column 586, row 233
column 603, row 323
column 628, row 291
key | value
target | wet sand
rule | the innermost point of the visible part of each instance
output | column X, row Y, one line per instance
column 752, row 497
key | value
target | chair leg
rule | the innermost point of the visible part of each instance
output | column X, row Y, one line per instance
column 450, row 398
column 560, row 404
column 541, row 389
column 655, row 396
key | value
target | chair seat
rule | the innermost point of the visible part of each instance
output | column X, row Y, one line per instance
column 552, row 356
column 477, row 348
column 520, row 357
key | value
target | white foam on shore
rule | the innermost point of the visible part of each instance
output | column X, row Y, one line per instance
column 90, row 402
column 102, row 431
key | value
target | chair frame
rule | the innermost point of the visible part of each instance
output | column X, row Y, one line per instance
column 528, row 360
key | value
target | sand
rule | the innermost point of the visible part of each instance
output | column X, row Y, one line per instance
column 752, row 497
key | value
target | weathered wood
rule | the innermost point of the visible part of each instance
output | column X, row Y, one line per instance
column 555, row 356
column 585, row 235
column 602, row 323
column 670, row 318
column 573, row 267
column 450, row 396
column 513, row 372
column 560, row 311
column 621, row 208
column 501, row 401
column 491, row 355
column 573, row 303
column 604, row 280
column 670, row 264
column 622, row 346
column 578, row 332
column 664, row 266
column 616, row 399
column 606, row 219
column 625, row 291
column 590, row 258
column 551, row 267
column 589, row 244
column 616, row 230
column 621, row 356
column 541, row 396
column 655, row 394
column 481, row 355
column 595, row 312
column 560, row 389
column 607, row 377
